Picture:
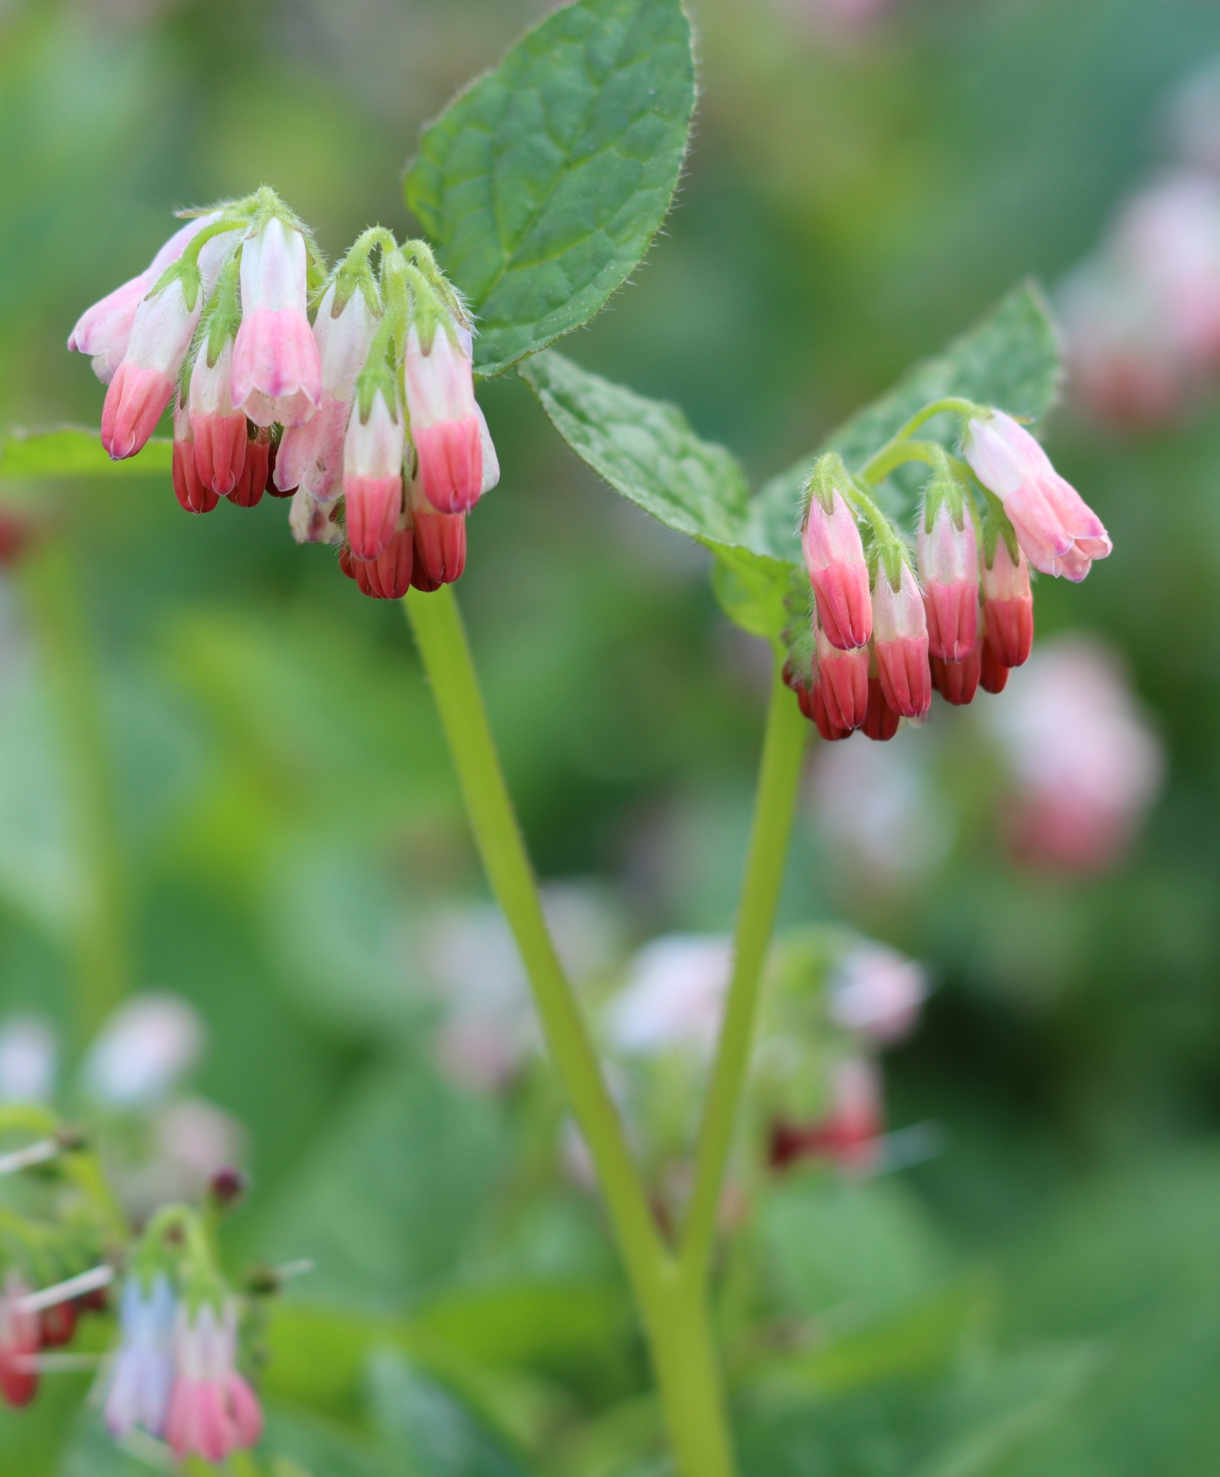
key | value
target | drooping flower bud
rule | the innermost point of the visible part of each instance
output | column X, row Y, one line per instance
column 949, row 568
column 388, row 576
column 212, row 1410
column 192, row 495
column 1059, row 532
column 880, row 720
column 218, row 430
column 957, row 682
column 372, row 473
column 20, row 1340
column 310, row 456
column 446, row 427
column 252, row 483
column 276, row 371
column 842, row 681
column 1008, row 603
column 440, row 542
column 834, row 557
column 993, row 673
column 161, row 332
column 900, row 637
column 142, row 1375
column 104, row 330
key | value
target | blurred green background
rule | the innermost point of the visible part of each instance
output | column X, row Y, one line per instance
column 1042, row 1295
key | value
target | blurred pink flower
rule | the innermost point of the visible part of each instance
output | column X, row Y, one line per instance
column 1085, row 763
column 877, row 811
column 876, row 992
column 673, row 996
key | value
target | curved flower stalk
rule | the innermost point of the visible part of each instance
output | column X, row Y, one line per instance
column 365, row 416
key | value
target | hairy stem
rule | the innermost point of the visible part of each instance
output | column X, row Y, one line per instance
column 777, row 783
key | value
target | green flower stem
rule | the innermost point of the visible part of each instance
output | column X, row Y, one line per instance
column 778, row 777
column 437, row 626
column 673, row 1308
column 51, row 588
column 895, row 453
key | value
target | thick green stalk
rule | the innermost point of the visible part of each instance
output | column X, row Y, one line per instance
column 778, row 777
column 53, row 600
column 673, row 1310
column 437, row 626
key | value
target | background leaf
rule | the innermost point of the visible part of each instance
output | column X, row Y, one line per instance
column 1009, row 359
column 647, row 450
column 543, row 184
column 75, row 451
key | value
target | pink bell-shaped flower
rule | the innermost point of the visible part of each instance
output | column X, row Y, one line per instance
column 372, row 475
column 900, row 639
column 311, row 454
column 838, row 571
column 1059, row 532
column 949, row 569
column 104, row 330
column 446, row 426
column 277, row 374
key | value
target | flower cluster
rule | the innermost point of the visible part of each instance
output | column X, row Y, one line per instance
column 175, row 1373
column 365, row 416
column 890, row 625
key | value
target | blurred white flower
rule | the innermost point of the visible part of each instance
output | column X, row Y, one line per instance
column 876, row 992
column 28, row 1056
column 191, row 1139
column 144, row 1048
column 1085, row 763
column 471, row 964
column 674, row 995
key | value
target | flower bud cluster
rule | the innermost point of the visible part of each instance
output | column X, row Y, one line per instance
column 890, row 623
column 363, row 414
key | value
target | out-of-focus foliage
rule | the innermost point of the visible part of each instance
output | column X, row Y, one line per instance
column 1039, row 1296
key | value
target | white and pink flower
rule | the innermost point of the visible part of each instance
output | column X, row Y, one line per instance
column 446, row 426
column 161, row 333
column 212, row 1409
column 1059, row 532
column 142, row 1375
column 900, row 639
column 218, row 428
column 838, row 572
column 841, row 683
column 949, row 569
column 372, row 476
column 20, row 1341
column 310, row 456
column 277, row 374
column 1008, row 605
column 104, row 330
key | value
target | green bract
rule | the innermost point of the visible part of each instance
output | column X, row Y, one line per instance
column 543, row 184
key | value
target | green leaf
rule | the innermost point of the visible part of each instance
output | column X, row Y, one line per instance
column 543, row 184
column 75, row 451
column 647, row 451
column 437, row 1432
column 1009, row 359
